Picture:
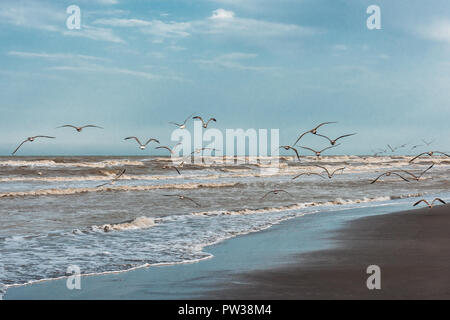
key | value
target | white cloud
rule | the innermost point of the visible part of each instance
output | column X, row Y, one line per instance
column 94, row 33
column 54, row 56
column 222, row 14
column 234, row 61
column 438, row 30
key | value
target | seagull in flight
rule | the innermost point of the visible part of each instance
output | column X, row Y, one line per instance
column 430, row 205
column 308, row 174
column 182, row 197
column 114, row 179
column 291, row 148
column 313, row 131
column 177, row 167
column 171, row 150
column 318, row 153
column 330, row 174
column 205, row 124
column 427, row 143
column 333, row 142
column 79, row 129
column 388, row 174
column 414, row 177
column 182, row 125
column 31, row 139
column 276, row 191
column 429, row 153
column 142, row 146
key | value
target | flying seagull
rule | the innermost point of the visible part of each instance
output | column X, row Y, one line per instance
column 429, row 153
column 387, row 174
column 333, row 142
column 318, row 153
column 171, row 150
column 414, row 177
column 430, row 205
column 30, row 139
column 114, row 179
column 182, row 197
column 313, row 131
column 291, row 148
column 198, row 150
column 426, row 142
column 330, row 174
column 308, row 174
column 205, row 125
column 275, row 192
column 182, row 125
column 142, row 146
column 79, row 128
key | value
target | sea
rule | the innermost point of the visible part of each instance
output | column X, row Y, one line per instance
column 54, row 213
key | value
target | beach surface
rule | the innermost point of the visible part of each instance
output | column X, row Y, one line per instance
column 301, row 258
column 412, row 249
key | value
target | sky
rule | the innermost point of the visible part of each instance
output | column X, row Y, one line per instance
column 136, row 65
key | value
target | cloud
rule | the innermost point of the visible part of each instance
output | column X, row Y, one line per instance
column 153, row 27
column 438, row 30
column 222, row 14
column 234, row 61
column 94, row 33
column 54, row 56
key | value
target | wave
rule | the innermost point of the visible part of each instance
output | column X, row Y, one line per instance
column 83, row 164
column 303, row 205
column 135, row 224
column 72, row 191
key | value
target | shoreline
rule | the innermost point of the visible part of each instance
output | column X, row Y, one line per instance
column 412, row 249
column 270, row 248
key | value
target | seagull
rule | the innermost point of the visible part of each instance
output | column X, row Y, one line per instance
column 291, row 148
column 387, row 174
column 330, row 175
column 427, row 143
column 182, row 125
column 275, row 192
column 429, row 153
column 79, row 128
column 333, row 142
column 171, row 150
column 198, row 150
column 308, row 174
column 319, row 152
column 393, row 149
column 416, row 146
column 142, row 146
column 313, row 131
column 181, row 197
column 417, row 178
column 430, row 205
column 113, row 180
column 31, row 139
column 205, row 125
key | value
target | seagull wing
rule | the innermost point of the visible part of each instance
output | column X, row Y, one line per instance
column 443, row 153
column 417, row 156
column 19, row 147
column 423, row 200
column 135, row 138
column 323, row 123
column 211, row 119
column 199, row 118
column 400, row 176
column 67, row 126
column 440, row 200
column 188, row 118
column 301, row 136
column 376, row 179
column 308, row 149
column 164, row 147
column 91, row 126
column 345, row 135
column 150, row 140
column 328, row 172
column 343, row 168
column 321, row 135
column 190, row 199
column 329, row 147
column 425, row 171
column 44, row 137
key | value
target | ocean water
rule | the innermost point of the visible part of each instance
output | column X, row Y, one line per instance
column 53, row 215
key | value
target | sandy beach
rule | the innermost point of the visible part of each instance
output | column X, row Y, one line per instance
column 412, row 248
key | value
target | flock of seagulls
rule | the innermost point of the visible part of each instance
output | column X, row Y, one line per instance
column 314, row 131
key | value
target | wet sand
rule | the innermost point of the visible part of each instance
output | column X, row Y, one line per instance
column 412, row 248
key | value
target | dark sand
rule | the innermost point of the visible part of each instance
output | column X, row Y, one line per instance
column 412, row 248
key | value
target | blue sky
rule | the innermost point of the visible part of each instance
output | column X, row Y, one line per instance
column 289, row 64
